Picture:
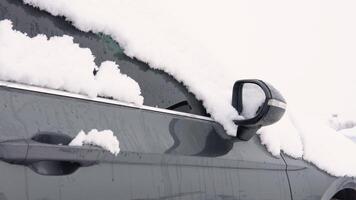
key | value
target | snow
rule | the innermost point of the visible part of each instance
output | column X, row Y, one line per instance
column 338, row 122
column 344, row 124
column 109, row 77
column 349, row 133
column 42, row 61
column 324, row 147
column 104, row 139
column 282, row 136
column 162, row 47
column 304, row 48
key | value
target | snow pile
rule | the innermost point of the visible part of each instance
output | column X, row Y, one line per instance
column 104, row 139
column 109, row 77
column 338, row 122
column 44, row 62
column 282, row 136
column 269, row 40
column 345, row 125
column 329, row 150
column 314, row 142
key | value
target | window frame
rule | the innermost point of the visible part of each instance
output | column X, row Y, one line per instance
column 20, row 86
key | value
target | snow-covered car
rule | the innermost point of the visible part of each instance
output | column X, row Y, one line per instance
column 170, row 148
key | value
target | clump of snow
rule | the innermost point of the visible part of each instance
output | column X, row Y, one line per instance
column 104, row 139
column 59, row 63
column 44, row 62
column 112, row 83
column 338, row 122
column 250, row 40
column 344, row 124
column 283, row 136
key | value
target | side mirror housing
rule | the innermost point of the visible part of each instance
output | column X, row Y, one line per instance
column 258, row 103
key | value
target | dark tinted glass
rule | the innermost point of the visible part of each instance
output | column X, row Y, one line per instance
column 158, row 88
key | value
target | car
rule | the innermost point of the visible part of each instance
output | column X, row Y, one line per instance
column 170, row 147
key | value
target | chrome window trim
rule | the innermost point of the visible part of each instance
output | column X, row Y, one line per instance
column 97, row 99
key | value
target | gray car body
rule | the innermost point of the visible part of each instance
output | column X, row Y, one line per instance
column 165, row 154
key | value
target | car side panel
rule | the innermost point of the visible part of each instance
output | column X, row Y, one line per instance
column 162, row 155
column 262, row 176
column 307, row 182
column 12, row 181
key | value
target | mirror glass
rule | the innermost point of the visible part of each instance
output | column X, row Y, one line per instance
column 253, row 98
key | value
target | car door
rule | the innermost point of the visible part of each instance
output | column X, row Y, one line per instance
column 202, row 162
column 164, row 154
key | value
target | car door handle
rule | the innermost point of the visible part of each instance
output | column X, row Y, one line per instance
column 49, row 159
column 24, row 151
column 85, row 155
column 13, row 151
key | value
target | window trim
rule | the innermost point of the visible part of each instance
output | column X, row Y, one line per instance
column 20, row 86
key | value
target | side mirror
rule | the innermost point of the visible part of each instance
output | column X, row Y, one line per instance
column 258, row 103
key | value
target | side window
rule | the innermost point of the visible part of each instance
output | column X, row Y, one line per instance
column 158, row 88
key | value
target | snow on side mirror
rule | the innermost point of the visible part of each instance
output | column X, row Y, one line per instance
column 258, row 103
